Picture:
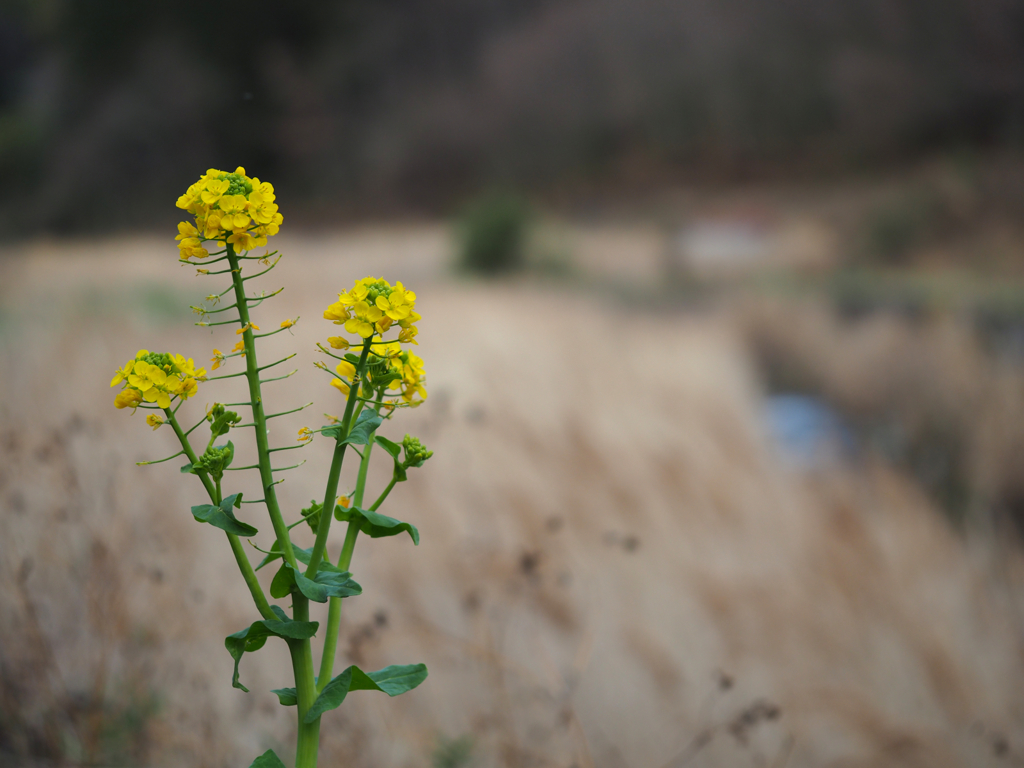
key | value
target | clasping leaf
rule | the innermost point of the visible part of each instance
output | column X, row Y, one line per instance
column 391, row 680
column 222, row 516
column 268, row 759
column 374, row 524
column 395, row 450
column 254, row 637
column 360, row 432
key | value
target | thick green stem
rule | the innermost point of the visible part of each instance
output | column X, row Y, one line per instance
column 334, row 613
column 302, row 655
column 344, row 561
column 331, row 493
column 308, row 743
column 236, row 546
column 258, row 415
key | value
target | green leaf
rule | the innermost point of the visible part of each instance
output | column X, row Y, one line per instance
column 187, row 469
column 222, row 420
column 302, row 555
column 325, row 584
column 267, row 760
column 359, row 433
column 391, row 680
column 286, row 696
column 282, row 584
column 364, row 427
column 254, row 637
column 394, row 449
column 332, row 431
column 272, row 555
column 376, row 525
column 391, row 447
column 222, row 517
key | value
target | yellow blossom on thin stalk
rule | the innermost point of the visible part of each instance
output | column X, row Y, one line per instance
column 372, row 306
column 128, row 398
column 155, row 421
column 228, row 207
column 156, row 378
column 369, row 310
column 305, row 435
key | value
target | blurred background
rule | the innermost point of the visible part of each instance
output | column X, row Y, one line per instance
column 724, row 331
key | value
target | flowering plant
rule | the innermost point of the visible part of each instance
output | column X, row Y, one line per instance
column 377, row 377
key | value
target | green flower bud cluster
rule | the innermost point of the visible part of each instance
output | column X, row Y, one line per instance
column 415, row 452
column 215, row 460
column 377, row 288
column 237, row 183
column 159, row 359
column 311, row 514
column 221, row 420
column 379, row 372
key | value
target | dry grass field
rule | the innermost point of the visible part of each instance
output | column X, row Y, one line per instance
column 617, row 569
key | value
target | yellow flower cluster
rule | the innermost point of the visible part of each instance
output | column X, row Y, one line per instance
column 156, row 378
column 407, row 366
column 390, row 367
column 373, row 306
column 229, row 207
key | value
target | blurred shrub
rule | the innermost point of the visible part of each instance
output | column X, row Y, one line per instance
column 452, row 753
column 892, row 230
column 492, row 234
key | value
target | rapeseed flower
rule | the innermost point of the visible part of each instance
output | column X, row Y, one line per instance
column 228, row 207
column 372, row 306
column 410, row 366
column 156, row 378
column 128, row 398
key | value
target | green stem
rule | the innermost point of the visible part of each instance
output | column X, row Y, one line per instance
column 236, row 546
column 364, row 466
column 344, row 561
column 258, row 416
column 327, row 512
column 380, row 499
column 334, row 612
column 306, row 692
column 302, row 655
